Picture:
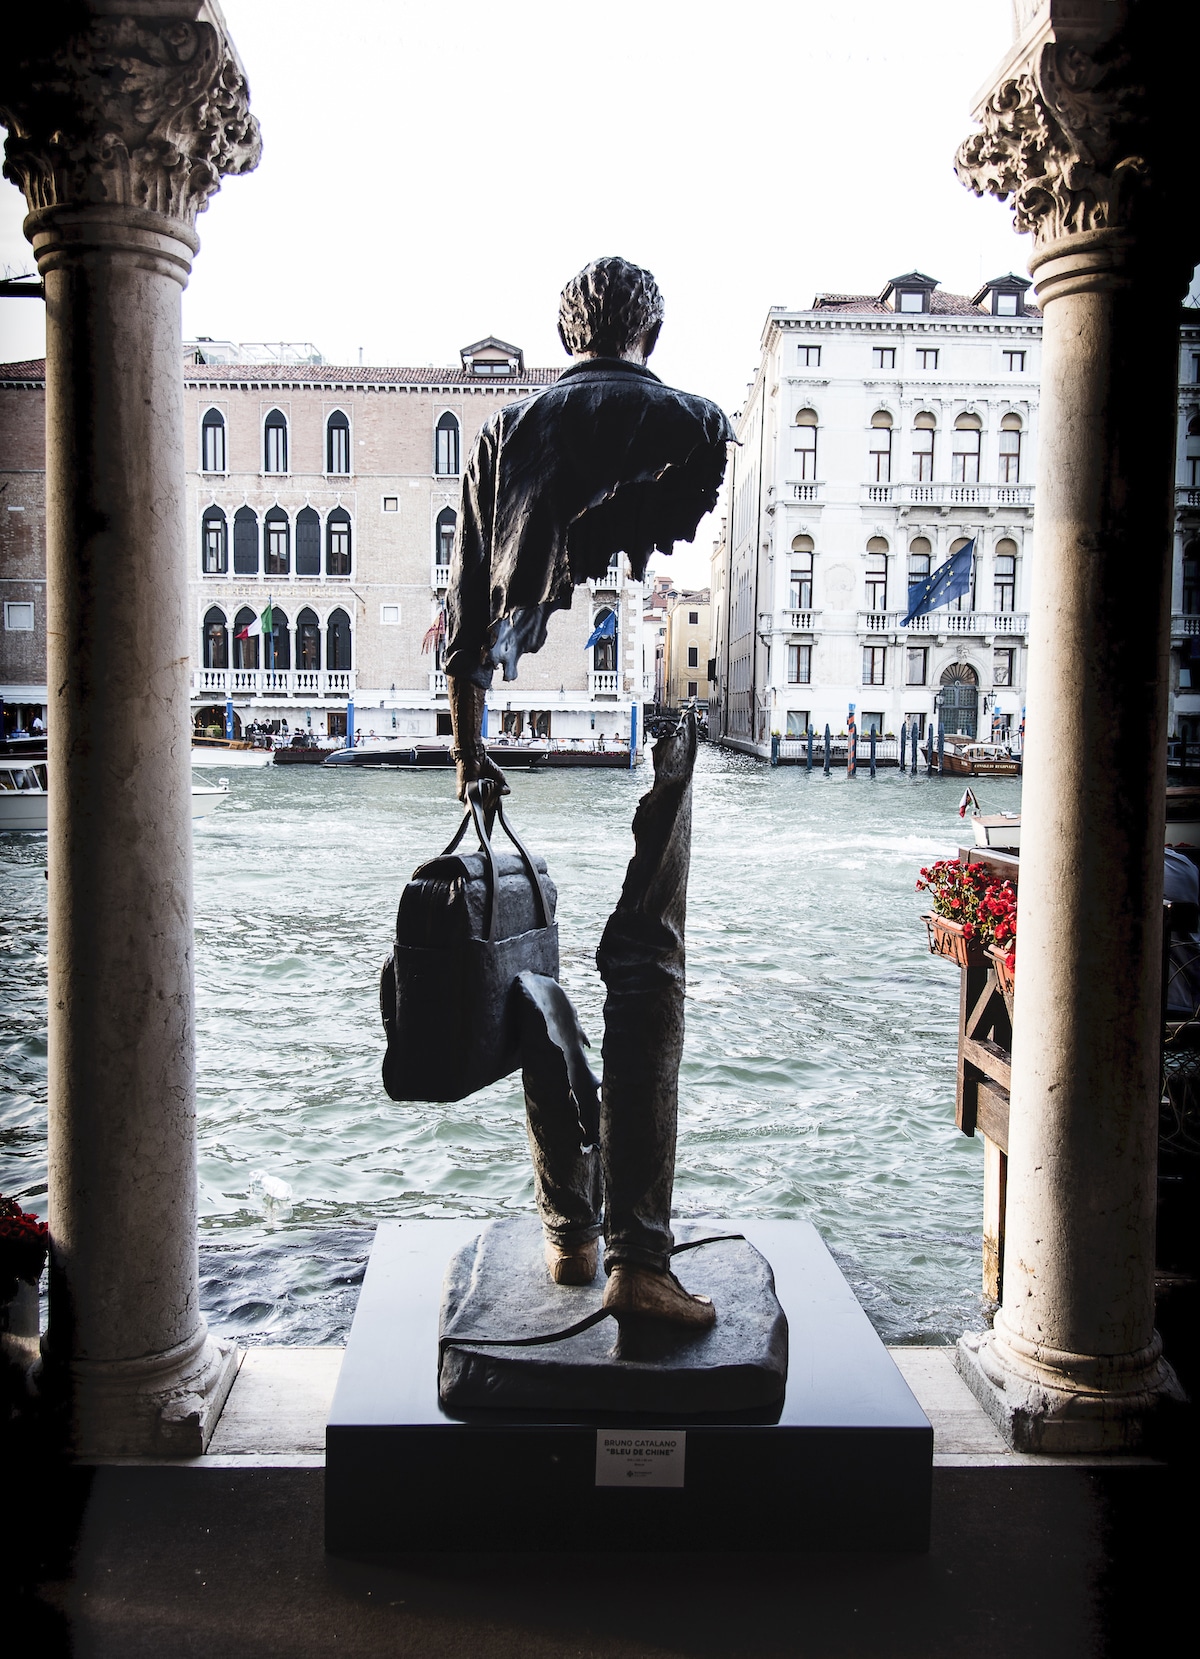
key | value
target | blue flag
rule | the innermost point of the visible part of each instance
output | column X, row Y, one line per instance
column 603, row 630
column 948, row 581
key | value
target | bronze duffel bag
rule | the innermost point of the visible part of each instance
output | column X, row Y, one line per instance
column 467, row 925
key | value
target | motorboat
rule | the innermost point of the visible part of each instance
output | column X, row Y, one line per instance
column 967, row 757
column 1000, row 831
column 516, row 753
column 24, row 795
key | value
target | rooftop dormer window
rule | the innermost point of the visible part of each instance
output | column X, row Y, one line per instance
column 911, row 299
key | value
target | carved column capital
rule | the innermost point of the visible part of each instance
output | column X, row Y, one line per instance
column 144, row 112
column 1084, row 133
column 1064, row 138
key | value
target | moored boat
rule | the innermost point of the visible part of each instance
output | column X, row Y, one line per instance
column 24, row 795
column 967, row 757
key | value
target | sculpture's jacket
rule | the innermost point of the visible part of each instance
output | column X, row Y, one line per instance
column 608, row 460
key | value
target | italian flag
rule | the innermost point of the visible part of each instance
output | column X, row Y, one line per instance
column 261, row 625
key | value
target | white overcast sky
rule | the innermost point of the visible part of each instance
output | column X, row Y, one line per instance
column 432, row 174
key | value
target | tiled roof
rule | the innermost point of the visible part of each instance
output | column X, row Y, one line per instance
column 319, row 374
column 323, row 374
column 940, row 305
column 849, row 302
column 33, row 369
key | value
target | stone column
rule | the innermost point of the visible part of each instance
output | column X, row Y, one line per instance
column 119, row 130
column 1082, row 132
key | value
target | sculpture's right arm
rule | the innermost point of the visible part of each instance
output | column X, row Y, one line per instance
column 468, row 617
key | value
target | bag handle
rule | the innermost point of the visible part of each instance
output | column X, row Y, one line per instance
column 478, row 809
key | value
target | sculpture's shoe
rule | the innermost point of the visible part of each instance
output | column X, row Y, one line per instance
column 575, row 1265
column 639, row 1294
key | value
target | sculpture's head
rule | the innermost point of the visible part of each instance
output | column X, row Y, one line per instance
column 609, row 310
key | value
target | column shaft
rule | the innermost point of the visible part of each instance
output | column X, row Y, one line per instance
column 127, row 1343
column 1083, row 1136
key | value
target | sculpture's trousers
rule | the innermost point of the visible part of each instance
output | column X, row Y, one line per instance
column 641, row 960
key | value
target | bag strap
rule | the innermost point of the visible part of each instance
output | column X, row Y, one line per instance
column 478, row 809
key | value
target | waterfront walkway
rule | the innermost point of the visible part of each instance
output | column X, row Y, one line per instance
column 1030, row 1557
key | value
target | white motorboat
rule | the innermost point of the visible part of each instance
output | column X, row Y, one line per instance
column 1001, row 830
column 24, row 796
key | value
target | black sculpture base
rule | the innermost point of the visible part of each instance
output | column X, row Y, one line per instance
column 498, row 1286
column 846, row 1464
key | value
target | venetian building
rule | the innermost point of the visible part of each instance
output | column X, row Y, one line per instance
column 333, row 492
column 879, row 435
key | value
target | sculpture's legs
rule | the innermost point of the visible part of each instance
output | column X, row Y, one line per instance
column 641, row 960
column 562, row 1112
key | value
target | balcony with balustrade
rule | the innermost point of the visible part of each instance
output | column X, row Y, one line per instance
column 336, row 683
column 603, row 682
column 949, row 495
column 441, row 577
column 1184, row 626
column 437, row 684
column 943, row 623
column 804, row 490
column 800, row 622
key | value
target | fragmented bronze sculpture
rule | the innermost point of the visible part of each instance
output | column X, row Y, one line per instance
column 609, row 461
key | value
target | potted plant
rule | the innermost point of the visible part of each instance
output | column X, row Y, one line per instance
column 972, row 916
column 24, row 1241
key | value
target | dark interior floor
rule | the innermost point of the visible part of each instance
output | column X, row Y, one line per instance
column 1025, row 1562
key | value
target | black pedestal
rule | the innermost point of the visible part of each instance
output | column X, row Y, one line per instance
column 846, row 1465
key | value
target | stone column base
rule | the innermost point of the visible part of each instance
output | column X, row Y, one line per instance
column 1044, row 1401
column 165, row 1405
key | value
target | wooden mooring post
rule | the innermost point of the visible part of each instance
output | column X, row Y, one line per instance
column 984, row 1077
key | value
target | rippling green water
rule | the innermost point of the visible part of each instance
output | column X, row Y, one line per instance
column 818, row 1077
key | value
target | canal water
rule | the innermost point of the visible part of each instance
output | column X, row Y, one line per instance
column 818, row 1076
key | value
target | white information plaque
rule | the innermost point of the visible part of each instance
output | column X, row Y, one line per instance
column 640, row 1457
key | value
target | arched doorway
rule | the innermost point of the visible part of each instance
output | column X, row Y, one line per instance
column 958, row 700
column 216, row 639
column 604, row 652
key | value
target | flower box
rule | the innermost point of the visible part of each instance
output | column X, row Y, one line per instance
column 1005, row 975
column 946, row 938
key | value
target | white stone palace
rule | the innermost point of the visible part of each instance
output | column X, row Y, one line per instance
column 879, row 435
column 332, row 491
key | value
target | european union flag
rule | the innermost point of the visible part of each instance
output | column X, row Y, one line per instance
column 607, row 628
column 948, row 581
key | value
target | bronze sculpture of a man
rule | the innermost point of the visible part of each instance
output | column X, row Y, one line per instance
column 607, row 461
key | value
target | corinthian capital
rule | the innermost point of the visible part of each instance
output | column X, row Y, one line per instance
column 1068, row 138
column 144, row 111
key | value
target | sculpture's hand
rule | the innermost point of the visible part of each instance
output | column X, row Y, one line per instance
column 474, row 764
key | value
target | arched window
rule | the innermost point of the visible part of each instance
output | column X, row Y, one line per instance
column 214, row 542
column 215, row 641
column 924, row 428
column 277, row 555
column 1010, row 449
column 245, row 651
column 337, row 543
column 800, row 594
column 1004, row 574
column 245, row 542
column 958, row 699
column 877, row 552
column 337, row 641
column 1192, row 457
column 965, row 601
column 308, row 542
column 920, row 554
column 443, row 536
column 964, row 459
column 881, row 447
column 275, row 442
column 280, row 653
column 806, row 444
column 337, row 443
column 445, row 452
column 212, row 441
column 1191, row 579
column 308, row 641
column 604, row 652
